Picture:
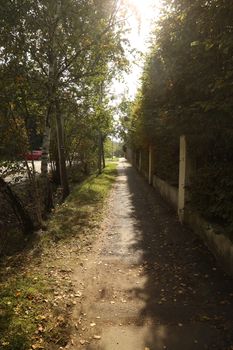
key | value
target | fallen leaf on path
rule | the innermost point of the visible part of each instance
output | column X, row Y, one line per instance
column 40, row 328
column 92, row 324
column 98, row 337
column 205, row 318
column 37, row 346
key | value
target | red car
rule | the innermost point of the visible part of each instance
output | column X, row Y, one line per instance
column 34, row 155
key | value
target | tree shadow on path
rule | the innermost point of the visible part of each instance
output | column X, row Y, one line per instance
column 188, row 298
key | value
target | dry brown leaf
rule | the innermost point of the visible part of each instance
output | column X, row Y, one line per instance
column 98, row 337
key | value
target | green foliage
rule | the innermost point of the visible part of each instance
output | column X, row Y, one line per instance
column 113, row 149
column 212, row 193
column 187, row 89
column 186, row 82
column 57, row 61
column 167, row 160
column 46, row 59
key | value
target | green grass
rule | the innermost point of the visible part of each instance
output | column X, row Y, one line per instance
column 20, row 309
column 82, row 210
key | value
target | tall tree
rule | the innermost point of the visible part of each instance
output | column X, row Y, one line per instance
column 55, row 43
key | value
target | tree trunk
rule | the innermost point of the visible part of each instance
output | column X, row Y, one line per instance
column 46, row 189
column 46, row 185
column 45, row 150
column 100, row 153
column 36, row 192
column 57, row 178
column 61, row 154
column 103, row 155
column 20, row 212
column 52, row 91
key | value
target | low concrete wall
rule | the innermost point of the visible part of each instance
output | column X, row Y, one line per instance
column 170, row 193
column 220, row 245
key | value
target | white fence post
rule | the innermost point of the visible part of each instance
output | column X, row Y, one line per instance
column 182, row 177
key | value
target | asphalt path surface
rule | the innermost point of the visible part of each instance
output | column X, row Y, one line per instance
column 150, row 283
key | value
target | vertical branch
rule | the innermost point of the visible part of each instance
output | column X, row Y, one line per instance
column 102, row 151
column 61, row 152
column 52, row 91
column 99, row 153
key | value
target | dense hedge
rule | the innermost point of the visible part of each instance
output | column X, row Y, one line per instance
column 187, row 89
column 212, row 193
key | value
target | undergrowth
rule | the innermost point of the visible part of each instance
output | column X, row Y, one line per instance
column 28, row 319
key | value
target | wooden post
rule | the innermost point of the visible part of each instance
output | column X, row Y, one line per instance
column 182, row 178
column 150, row 175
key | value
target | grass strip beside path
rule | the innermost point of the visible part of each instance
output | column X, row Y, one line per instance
column 36, row 289
column 83, row 208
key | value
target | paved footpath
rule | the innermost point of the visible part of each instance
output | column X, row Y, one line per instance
column 149, row 283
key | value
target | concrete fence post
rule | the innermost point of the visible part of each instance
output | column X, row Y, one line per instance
column 182, row 177
column 140, row 161
column 150, row 174
column 135, row 159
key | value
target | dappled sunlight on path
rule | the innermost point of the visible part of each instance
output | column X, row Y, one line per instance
column 149, row 282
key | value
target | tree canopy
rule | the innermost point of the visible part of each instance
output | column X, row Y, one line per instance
column 57, row 60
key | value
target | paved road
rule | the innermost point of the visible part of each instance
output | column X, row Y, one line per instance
column 23, row 174
column 150, row 284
